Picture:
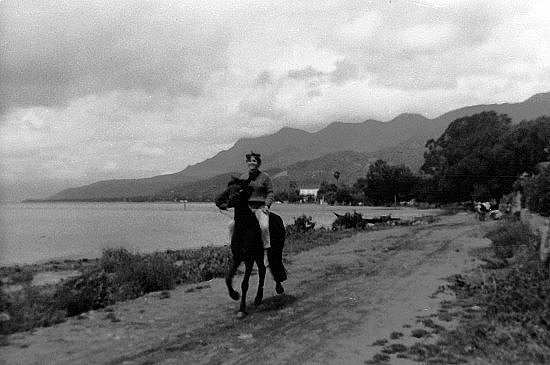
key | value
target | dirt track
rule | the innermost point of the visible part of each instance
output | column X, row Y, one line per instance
column 339, row 299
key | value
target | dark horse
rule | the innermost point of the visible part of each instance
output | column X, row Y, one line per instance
column 246, row 243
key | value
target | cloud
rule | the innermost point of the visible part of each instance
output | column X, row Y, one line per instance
column 54, row 51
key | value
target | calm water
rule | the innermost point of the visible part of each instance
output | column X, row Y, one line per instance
column 42, row 231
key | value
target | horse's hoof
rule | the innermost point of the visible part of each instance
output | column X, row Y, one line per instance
column 234, row 295
column 241, row 315
column 279, row 288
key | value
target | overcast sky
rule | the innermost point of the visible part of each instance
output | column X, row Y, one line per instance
column 92, row 90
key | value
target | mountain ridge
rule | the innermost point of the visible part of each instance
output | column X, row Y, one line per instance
column 400, row 140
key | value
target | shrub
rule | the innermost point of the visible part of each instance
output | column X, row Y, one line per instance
column 537, row 192
column 93, row 290
column 301, row 224
column 27, row 309
column 349, row 220
column 113, row 258
column 511, row 237
column 140, row 273
column 202, row 263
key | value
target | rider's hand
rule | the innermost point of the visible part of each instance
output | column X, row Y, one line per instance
column 223, row 206
column 265, row 209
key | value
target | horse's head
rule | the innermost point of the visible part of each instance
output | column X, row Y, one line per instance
column 238, row 192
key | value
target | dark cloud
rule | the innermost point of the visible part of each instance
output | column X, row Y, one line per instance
column 54, row 51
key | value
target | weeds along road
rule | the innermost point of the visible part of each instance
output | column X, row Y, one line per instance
column 339, row 300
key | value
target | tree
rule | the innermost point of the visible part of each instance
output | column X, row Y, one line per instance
column 337, row 176
column 537, row 192
column 384, row 183
column 480, row 156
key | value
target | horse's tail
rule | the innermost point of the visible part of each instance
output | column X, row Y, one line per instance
column 277, row 231
column 277, row 234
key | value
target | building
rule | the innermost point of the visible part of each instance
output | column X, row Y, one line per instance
column 308, row 194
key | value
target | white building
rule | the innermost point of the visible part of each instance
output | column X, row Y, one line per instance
column 309, row 194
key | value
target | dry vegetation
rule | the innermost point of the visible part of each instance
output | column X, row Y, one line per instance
column 503, row 310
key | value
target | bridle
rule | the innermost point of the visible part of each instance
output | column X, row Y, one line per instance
column 225, row 212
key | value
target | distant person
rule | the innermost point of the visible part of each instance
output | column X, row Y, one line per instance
column 261, row 198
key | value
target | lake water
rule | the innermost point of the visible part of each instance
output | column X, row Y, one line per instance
column 34, row 232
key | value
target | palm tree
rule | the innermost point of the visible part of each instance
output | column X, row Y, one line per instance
column 337, row 176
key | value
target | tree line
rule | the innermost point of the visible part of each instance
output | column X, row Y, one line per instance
column 478, row 157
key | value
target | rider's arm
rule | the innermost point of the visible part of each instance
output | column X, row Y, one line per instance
column 269, row 189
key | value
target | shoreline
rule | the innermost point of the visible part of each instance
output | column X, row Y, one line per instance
column 40, row 246
column 119, row 275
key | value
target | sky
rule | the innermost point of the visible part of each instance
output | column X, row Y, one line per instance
column 127, row 89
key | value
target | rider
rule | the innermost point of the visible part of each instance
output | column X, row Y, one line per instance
column 261, row 197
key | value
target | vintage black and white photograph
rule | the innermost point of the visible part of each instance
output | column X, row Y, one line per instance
column 274, row 182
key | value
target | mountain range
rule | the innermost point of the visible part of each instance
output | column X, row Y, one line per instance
column 311, row 157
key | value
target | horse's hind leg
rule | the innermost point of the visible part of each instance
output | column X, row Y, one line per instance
column 261, row 279
column 279, row 288
column 244, row 286
column 229, row 280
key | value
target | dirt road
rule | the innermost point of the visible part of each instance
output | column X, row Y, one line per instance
column 339, row 299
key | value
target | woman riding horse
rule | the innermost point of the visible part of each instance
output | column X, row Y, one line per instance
column 253, row 226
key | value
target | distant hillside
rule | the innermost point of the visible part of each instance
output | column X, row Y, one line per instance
column 303, row 174
column 350, row 164
column 400, row 140
column 411, row 152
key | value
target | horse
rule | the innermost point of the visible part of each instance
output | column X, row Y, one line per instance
column 247, row 246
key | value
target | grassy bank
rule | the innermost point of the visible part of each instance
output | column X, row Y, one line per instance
column 502, row 308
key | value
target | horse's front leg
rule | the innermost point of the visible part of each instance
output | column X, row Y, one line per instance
column 244, row 286
column 229, row 279
column 261, row 279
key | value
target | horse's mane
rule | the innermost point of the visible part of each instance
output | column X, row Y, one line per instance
column 235, row 181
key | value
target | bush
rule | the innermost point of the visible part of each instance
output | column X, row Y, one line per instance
column 303, row 241
column 140, row 273
column 511, row 237
column 93, row 290
column 201, row 264
column 537, row 192
column 301, row 224
column 27, row 309
column 349, row 220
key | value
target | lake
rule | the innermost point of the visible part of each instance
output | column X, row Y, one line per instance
column 34, row 232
